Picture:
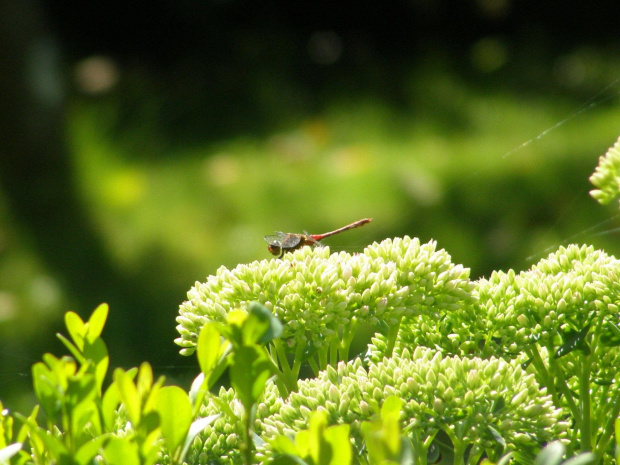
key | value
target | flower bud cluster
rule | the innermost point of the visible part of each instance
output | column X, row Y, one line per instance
column 220, row 442
column 465, row 396
column 316, row 294
column 568, row 290
column 607, row 176
column 564, row 292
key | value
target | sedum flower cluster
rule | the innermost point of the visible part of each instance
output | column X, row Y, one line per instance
column 498, row 359
column 317, row 296
column 606, row 177
column 474, row 401
column 563, row 293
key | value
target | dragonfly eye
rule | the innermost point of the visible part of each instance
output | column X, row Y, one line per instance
column 274, row 249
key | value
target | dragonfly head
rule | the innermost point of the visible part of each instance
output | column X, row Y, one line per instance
column 274, row 248
column 274, row 245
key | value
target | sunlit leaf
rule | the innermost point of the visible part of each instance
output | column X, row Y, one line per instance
column 109, row 403
column 52, row 444
column 128, row 394
column 121, row 451
column 249, row 373
column 89, row 450
column 175, row 413
column 47, row 390
column 582, row 459
column 551, row 455
column 209, row 350
column 145, row 379
column 340, row 445
column 283, row 445
column 97, row 352
column 77, row 353
column 96, row 322
column 9, row 451
column 194, row 430
column 262, row 326
column 76, row 328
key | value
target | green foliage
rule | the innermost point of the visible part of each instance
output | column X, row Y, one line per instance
column 318, row 445
column 458, row 371
column 383, row 437
column 135, row 421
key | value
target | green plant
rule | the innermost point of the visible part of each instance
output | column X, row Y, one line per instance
column 135, row 421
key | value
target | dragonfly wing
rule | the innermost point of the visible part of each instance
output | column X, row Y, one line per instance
column 291, row 241
column 275, row 238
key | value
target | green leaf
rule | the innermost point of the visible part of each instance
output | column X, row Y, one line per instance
column 81, row 408
column 610, row 336
column 22, row 435
column 121, row 451
column 582, row 459
column 77, row 353
column 498, row 405
column 197, row 388
column 77, row 328
column 149, row 424
column 210, row 351
column 574, row 340
column 288, row 459
column 96, row 322
column 262, row 326
column 194, row 430
column 316, row 449
column 303, row 444
column 9, row 451
column 45, row 389
column 383, row 436
column 129, row 394
column 80, row 389
column 97, row 352
column 250, row 370
column 551, row 455
column 175, row 412
column 340, row 446
column 145, row 379
column 497, row 436
column 283, row 445
column 90, row 449
column 109, row 403
column 52, row 444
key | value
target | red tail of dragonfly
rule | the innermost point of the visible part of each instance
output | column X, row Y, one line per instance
column 281, row 242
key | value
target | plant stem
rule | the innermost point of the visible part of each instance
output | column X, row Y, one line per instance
column 584, row 395
column 289, row 375
column 419, row 449
column 333, row 351
column 608, row 430
column 248, row 452
column 391, row 339
column 347, row 337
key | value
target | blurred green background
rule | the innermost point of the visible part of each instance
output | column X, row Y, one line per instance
column 144, row 145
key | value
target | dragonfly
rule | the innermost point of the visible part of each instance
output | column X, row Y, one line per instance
column 282, row 242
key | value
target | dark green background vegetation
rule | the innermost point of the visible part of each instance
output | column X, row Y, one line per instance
column 144, row 145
